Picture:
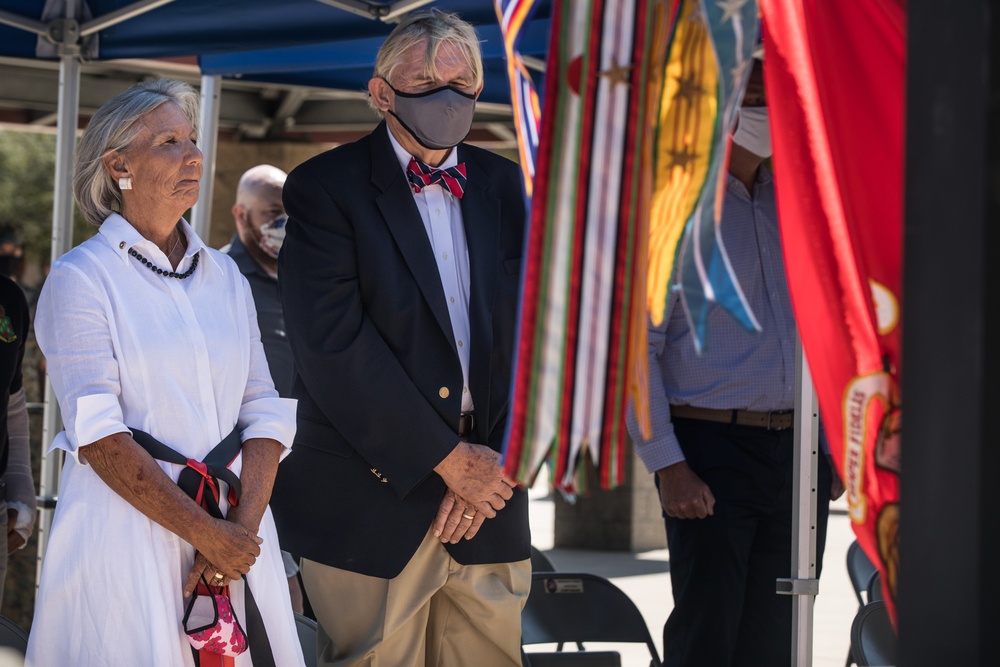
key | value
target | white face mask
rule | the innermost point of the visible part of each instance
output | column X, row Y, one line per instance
column 754, row 131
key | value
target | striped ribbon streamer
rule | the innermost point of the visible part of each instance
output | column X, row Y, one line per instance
column 582, row 315
column 513, row 16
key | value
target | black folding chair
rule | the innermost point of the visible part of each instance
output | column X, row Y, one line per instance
column 306, row 628
column 13, row 642
column 874, row 587
column 540, row 562
column 860, row 570
column 873, row 641
column 567, row 607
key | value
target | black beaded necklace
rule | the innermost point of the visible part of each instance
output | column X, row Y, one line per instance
column 170, row 274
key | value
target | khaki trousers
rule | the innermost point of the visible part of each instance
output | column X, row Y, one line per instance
column 435, row 613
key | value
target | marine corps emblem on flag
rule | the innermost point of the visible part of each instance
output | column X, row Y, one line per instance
column 7, row 334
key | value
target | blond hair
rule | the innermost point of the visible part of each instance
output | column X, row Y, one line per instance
column 437, row 28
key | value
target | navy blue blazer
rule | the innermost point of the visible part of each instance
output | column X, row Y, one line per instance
column 378, row 378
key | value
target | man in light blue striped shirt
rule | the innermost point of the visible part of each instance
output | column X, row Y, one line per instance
column 722, row 442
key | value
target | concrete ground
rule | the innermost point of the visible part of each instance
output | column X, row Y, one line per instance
column 643, row 576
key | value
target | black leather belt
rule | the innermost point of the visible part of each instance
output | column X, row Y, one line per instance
column 466, row 422
column 777, row 420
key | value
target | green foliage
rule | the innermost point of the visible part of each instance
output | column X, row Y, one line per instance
column 27, row 176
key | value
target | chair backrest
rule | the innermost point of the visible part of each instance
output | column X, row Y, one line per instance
column 540, row 562
column 306, row 628
column 572, row 659
column 874, row 587
column 859, row 569
column 873, row 641
column 581, row 607
column 13, row 642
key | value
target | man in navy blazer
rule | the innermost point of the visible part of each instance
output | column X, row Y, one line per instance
column 399, row 283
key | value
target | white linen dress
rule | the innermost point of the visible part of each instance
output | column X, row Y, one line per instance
column 181, row 360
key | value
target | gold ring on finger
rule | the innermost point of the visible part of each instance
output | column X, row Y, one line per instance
column 470, row 517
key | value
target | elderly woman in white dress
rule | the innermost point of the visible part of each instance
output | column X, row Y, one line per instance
column 147, row 331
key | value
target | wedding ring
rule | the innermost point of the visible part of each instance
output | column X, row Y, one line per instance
column 219, row 577
column 470, row 517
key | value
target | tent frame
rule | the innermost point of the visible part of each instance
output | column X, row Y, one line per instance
column 803, row 584
column 387, row 13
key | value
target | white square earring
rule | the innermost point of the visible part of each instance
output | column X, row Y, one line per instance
column 125, row 183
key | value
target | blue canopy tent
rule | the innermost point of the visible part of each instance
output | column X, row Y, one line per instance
column 76, row 31
column 72, row 31
column 162, row 28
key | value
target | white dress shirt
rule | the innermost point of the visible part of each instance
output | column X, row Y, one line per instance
column 181, row 360
column 441, row 213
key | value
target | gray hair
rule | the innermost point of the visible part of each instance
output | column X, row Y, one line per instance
column 437, row 28
column 113, row 128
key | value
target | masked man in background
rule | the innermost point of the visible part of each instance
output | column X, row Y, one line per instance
column 722, row 441
column 399, row 283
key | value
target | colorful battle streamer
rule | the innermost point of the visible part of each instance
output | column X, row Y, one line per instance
column 582, row 314
column 513, row 16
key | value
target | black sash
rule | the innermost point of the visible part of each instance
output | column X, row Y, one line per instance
column 197, row 478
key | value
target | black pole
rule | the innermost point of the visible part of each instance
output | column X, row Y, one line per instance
column 949, row 586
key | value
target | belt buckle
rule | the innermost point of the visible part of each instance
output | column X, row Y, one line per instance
column 776, row 413
column 466, row 417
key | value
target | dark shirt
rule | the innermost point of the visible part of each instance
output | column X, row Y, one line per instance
column 269, row 317
column 13, row 333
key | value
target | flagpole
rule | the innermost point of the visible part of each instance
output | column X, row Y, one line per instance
column 803, row 584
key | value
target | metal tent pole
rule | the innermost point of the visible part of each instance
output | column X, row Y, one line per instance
column 66, row 34
column 803, row 583
column 201, row 213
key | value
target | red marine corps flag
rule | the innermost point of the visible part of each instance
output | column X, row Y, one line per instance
column 834, row 74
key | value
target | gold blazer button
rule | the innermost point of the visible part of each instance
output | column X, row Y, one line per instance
column 443, row 392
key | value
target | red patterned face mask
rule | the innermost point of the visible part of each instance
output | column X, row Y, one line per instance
column 211, row 624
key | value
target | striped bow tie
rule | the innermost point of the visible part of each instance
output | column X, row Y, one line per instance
column 421, row 175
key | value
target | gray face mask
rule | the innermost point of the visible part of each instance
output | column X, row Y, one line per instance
column 437, row 119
